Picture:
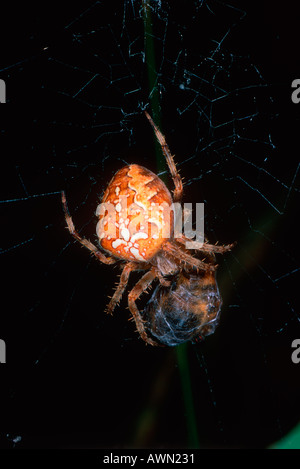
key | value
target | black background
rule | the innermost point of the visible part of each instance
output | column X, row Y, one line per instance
column 75, row 377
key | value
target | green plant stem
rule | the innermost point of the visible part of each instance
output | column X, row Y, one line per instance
column 183, row 365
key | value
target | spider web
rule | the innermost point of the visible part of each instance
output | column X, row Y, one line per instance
column 77, row 84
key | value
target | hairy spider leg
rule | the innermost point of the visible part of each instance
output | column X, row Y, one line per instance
column 176, row 251
column 134, row 294
column 206, row 247
column 124, row 277
column 177, row 195
column 85, row 242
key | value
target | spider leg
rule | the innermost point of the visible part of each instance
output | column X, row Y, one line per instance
column 135, row 293
column 85, row 242
column 129, row 267
column 206, row 247
column 162, row 280
column 177, row 196
column 186, row 258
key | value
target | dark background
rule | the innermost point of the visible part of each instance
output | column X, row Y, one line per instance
column 75, row 377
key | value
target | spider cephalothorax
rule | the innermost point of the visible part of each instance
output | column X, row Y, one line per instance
column 135, row 226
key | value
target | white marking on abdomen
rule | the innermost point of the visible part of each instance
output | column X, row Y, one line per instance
column 155, row 222
column 136, row 254
column 125, row 234
column 140, row 204
column 138, row 235
column 115, row 244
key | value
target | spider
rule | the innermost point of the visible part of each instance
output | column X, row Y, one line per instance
column 135, row 227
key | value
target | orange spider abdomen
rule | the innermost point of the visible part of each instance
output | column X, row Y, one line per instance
column 135, row 216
